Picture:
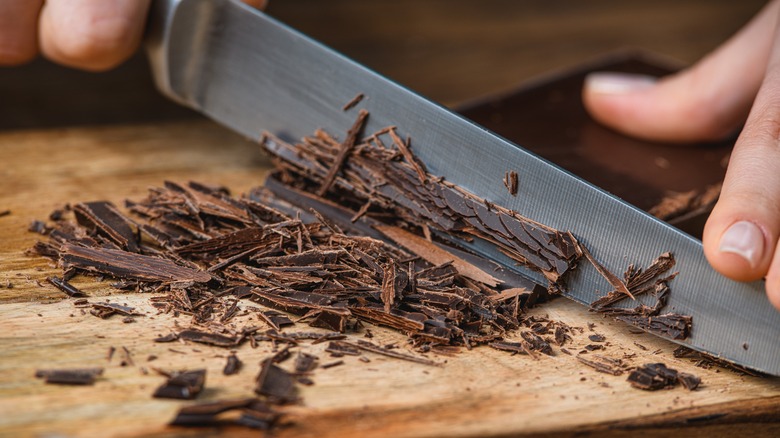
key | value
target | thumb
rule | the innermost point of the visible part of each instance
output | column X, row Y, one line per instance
column 706, row 102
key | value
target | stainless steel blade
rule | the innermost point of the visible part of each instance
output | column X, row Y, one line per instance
column 252, row 73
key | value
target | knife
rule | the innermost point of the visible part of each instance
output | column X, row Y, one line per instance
column 252, row 73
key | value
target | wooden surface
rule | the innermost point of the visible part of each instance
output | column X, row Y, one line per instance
column 63, row 143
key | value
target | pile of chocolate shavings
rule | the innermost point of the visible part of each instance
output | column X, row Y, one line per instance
column 202, row 250
column 388, row 182
column 333, row 239
column 652, row 280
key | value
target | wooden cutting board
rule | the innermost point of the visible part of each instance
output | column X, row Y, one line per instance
column 474, row 393
column 69, row 138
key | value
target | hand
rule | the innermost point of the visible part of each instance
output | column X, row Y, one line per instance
column 92, row 35
column 737, row 83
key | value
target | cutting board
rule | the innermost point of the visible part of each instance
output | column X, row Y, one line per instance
column 481, row 392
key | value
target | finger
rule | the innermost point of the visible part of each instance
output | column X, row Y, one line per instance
column 706, row 102
column 18, row 30
column 741, row 235
column 92, row 34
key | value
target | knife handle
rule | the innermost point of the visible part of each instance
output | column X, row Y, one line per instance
column 176, row 40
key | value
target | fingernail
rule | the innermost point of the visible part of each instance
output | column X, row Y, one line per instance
column 744, row 239
column 618, row 83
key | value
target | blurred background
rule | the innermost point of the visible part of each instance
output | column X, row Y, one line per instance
column 448, row 50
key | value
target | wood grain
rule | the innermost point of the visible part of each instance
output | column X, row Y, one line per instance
column 63, row 143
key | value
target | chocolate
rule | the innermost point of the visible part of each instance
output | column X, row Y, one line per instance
column 655, row 376
column 184, row 385
column 70, row 376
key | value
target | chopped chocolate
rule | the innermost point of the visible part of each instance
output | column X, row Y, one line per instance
column 5, row 213
column 70, row 376
column 604, row 364
column 669, row 325
column 210, row 338
column 275, row 383
column 653, row 376
column 706, row 361
column 38, row 227
column 305, row 362
column 677, row 205
column 182, row 385
column 167, row 338
column 105, row 310
column 123, row 264
column 597, row 338
column 63, row 285
column 344, row 150
column 274, row 319
column 254, row 413
column 368, row 346
column 510, row 182
column 335, row 363
column 353, row 102
column 233, row 365
column 343, row 348
column 104, row 219
column 688, row 381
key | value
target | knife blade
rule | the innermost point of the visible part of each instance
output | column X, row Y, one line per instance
column 252, row 74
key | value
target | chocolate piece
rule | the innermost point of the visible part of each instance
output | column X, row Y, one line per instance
column 344, row 150
column 38, row 227
column 103, row 218
column 652, row 279
column 105, row 310
column 332, row 364
column 604, row 364
column 343, row 348
column 63, row 285
column 167, row 338
column 5, row 213
column 653, row 376
column 405, row 189
column 70, row 376
column 354, row 101
column 275, row 383
column 123, row 264
column 254, row 413
column 688, row 381
column 233, row 365
column 210, row 338
column 510, row 182
column 597, row 338
column 305, row 362
column 182, row 385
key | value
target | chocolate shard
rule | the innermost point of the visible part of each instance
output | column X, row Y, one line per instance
column 104, row 310
column 65, row 286
column 233, row 365
column 254, row 413
column 123, row 264
column 305, row 362
column 669, row 325
column 206, row 414
column 106, row 220
column 210, row 338
column 688, row 381
column 276, row 384
column 604, row 364
column 274, row 319
column 184, row 385
column 653, row 376
column 70, row 376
